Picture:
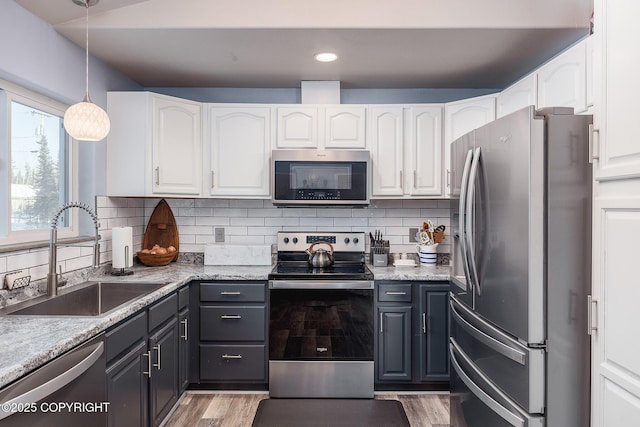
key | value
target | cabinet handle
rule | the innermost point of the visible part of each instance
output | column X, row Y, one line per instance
column 185, row 322
column 594, row 151
column 158, row 175
column 424, row 323
column 401, row 183
column 231, row 316
column 229, row 293
column 232, row 356
column 448, row 177
column 591, row 305
column 395, row 293
column 148, row 356
column 212, row 181
column 380, row 322
column 415, row 179
column 157, row 349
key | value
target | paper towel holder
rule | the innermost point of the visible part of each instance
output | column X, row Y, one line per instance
column 123, row 271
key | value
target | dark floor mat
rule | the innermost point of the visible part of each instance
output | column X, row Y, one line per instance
column 330, row 412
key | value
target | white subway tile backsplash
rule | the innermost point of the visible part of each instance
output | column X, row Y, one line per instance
column 299, row 212
column 246, row 203
column 282, row 222
column 266, row 212
column 207, row 220
column 212, row 203
column 254, row 221
column 237, row 212
column 316, row 222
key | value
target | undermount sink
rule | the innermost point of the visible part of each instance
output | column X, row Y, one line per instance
column 91, row 299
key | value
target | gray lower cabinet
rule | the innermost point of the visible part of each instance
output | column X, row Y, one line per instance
column 232, row 329
column 412, row 326
column 145, row 354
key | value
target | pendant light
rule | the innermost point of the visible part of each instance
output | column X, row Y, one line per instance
column 85, row 121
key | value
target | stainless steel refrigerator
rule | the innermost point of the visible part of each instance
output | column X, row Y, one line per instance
column 521, row 274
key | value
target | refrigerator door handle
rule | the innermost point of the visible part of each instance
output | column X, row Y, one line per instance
column 509, row 416
column 469, row 226
column 461, row 209
column 499, row 346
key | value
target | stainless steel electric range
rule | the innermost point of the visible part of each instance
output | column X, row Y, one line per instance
column 321, row 324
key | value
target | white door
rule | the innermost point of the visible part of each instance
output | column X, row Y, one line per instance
column 240, row 147
column 386, row 138
column 563, row 81
column 297, row 127
column 616, row 217
column 423, row 151
column 461, row 117
column 344, row 127
column 177, row 146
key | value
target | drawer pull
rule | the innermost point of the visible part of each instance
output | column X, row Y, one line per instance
column 231, row 316
column 232, row 356
column 395, row 293
column 230, row 293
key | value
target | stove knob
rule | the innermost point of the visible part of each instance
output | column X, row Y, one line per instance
column 295, row 240
column 286, row 240
column 346, row 240
column 355, row 240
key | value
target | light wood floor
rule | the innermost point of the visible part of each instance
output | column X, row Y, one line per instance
column 198, row 409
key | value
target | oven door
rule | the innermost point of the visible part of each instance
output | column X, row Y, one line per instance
column 321, row 320
column 320, row 177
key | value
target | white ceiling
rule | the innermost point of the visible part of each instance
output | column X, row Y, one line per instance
column 381, row 43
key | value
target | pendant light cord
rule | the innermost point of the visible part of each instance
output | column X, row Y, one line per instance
column 87, row 51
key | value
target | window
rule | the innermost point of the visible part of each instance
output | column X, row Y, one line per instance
column 37, row 175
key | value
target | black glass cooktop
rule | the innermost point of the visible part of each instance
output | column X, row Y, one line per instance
column 303, row 270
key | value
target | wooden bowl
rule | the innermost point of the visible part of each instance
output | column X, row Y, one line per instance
column 156, row 260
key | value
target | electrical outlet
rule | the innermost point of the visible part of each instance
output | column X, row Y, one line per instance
column 219, row 235
column 412, row 234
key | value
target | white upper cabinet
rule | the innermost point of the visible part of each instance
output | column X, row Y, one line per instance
column 330, row 126
column 563, row 80
column 344, row 126
column 461, row 117
column 423, row 151
column 406, row 150
column 519, row 95
column 154, row 146
column 239, row 151
column 386, row 142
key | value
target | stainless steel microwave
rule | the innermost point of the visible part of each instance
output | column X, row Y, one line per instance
column 320, row 177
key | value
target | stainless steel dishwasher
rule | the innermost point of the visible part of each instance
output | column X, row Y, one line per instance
column 68, row 391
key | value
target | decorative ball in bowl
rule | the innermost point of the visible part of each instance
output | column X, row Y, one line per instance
column 157, row 256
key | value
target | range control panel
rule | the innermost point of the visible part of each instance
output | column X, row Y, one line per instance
column 294, row 241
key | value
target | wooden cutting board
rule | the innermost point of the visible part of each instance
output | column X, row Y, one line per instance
column 162, row 229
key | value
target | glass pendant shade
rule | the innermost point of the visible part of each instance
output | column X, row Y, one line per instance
column 85, row 121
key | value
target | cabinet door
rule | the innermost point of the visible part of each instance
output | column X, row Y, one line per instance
column 563, row 81
column 394, row 343
column 127, row 389
column 344, row 127
column 240, row 147
column 461, row 117
column 386, row 137
column 163, row 389
column 519, row 95
column 176, row 147
column 297, row 127
column 184, row 353
column 617, row 91
column 424, row 151
column 434, row 338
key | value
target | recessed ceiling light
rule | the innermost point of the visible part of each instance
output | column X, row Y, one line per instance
column 326, row 57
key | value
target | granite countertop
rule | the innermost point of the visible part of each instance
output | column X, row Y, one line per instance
column 28, row 342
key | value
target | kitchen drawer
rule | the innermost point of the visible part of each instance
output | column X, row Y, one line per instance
column 162, row 311
column 183, row 297
column 394, row 292
column 232, row 323
column 233, row 362
column 233, row 292
column 125, row 335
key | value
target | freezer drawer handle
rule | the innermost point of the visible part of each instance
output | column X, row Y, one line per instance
column 496, row 407
column 43, row 390
column 512, row 353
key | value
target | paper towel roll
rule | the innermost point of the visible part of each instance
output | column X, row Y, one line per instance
column 122, row 247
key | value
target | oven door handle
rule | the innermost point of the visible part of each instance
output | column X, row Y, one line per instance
column 321, row 284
